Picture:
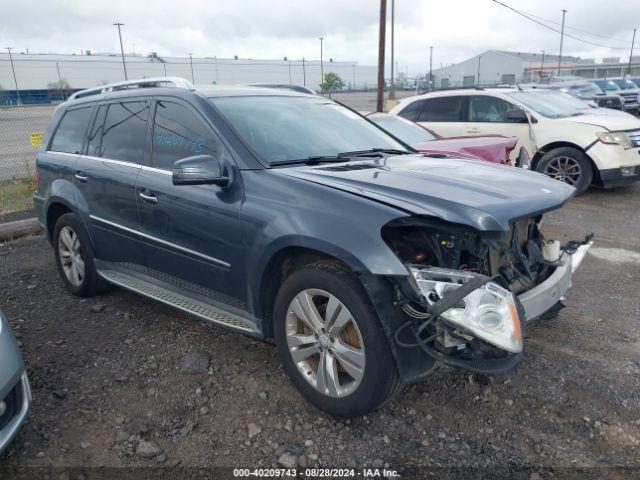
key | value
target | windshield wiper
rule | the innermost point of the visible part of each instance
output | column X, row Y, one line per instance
column 373, row 152
column 312, row 160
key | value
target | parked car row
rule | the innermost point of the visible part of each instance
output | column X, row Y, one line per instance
column 287, row 216
column 565, row 137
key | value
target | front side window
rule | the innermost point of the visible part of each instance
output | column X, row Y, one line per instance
column 293, row 128
column 442, row 109
column 124, row 132
column 483, row 108
column 178, row 133
column 69, row 135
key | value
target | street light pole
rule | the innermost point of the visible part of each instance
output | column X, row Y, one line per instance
column 191, row 64
column 479, row 57
column 381, row 44
column 429, row 87
column 304, row 74
column 13, row 69
column 631, row 54
column 564, row 12
column 542, row 66
column 321, row 67
column 124, row 66
column 392, row 89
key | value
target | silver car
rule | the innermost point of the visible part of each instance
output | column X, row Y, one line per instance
column 15, row 393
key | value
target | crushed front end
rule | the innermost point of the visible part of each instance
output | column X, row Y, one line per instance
column 469, row 294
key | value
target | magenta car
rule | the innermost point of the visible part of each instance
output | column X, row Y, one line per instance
column 492, row 148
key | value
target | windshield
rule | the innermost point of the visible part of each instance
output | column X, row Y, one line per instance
column 288, row 128
column 405, row 130
column 551, row 104
column 625, row 84
column 606, row 85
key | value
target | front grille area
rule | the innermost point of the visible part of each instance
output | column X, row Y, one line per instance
column 634, row 136
column 630, row 97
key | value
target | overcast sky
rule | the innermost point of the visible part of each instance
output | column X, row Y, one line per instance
column 457, row 29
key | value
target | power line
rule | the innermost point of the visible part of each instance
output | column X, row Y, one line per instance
column 574, row 28
column 556, row 30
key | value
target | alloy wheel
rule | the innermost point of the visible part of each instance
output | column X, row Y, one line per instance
column 565, row 169
column 70, row 254
column 325, row 342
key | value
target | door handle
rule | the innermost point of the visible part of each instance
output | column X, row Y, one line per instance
column 148, row 197
column 471, row 130
column 81, row 177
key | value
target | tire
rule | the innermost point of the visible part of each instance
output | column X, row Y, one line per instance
column 569, row 165
column 70, row 240
column 353, row 342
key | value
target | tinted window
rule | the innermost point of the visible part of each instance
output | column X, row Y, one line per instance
column 442, row 109
column 178, row 133
column 411, row 111
column 95, row 134
column 124, row 131
column 69, row 136
column 488, row 109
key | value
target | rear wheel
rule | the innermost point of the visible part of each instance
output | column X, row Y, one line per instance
column 568, row 165
column 331, row 343
column 74, row 257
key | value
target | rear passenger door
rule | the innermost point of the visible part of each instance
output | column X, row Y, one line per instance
column 117, row 145
column 443, row 114
column 192, row 232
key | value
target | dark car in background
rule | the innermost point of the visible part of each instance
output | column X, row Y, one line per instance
column 588, row 92
column 491, row 148
column 15, row 394
column 631, row 100
column 288, row 216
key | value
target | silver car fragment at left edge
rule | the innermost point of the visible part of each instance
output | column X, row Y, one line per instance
column 15, row 394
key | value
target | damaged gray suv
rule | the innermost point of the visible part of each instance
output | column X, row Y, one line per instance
column 290, row 217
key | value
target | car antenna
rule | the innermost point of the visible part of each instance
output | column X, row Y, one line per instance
column 518, row 85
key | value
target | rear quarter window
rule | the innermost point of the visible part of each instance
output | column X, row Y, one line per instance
column 411, row 111
column 69, row 136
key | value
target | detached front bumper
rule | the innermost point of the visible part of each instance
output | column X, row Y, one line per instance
column 544, row 296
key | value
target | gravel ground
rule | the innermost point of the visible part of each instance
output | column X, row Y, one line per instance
column 122, row 381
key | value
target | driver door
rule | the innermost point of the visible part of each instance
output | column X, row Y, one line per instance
column 487, row 115
column 191, row 232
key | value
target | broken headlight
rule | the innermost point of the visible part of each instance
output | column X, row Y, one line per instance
column 488, row 312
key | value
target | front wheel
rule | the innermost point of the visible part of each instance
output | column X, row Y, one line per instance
column 568, row 165
column 331, row 342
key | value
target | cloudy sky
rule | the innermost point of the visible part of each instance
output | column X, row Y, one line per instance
column 457, row 29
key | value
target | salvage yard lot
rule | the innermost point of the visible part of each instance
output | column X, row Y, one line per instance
column 123, row 381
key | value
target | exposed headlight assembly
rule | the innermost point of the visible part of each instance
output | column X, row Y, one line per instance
column 488, row 312
column 615, row 138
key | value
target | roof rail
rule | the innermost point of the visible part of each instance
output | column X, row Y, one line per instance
column 176, row 82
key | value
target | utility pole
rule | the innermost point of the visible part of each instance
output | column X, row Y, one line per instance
column 564, row 12
column 430, row 86
column 381, row 43
column 191, row 63
column 289, row 61
column 304, row 74
column 13, row 69
column 392, row 90
column 479, row 57
column 321, row 67
column 124, row 66
column 542, row 66
column 631, row 54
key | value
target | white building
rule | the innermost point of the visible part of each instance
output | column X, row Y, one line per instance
column 495, row 67
column 37, row 71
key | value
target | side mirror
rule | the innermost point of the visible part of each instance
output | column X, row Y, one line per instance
column 516, row 115
column 199, row 170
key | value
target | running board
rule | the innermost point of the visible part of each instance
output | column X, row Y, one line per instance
column 174, row 299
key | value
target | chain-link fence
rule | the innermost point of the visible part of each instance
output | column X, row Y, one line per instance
column 21, row 130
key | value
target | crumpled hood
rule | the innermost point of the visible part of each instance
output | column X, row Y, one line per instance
column 482, row 195
column 492, row 148
column 608, row 120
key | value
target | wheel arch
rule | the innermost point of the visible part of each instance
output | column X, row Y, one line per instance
column 553, row 145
